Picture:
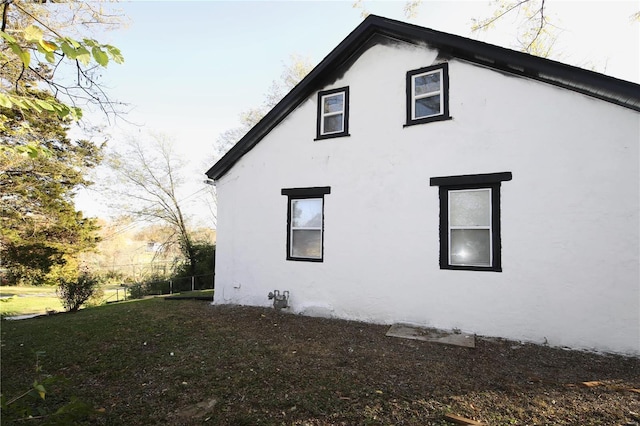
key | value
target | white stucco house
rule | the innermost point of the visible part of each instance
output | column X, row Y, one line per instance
column 420, row 177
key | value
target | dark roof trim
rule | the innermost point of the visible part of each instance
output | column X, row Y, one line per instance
column 610, row 89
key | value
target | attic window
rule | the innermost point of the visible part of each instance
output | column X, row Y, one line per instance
column 428, row 94
column 470, row 221
column 333, row 113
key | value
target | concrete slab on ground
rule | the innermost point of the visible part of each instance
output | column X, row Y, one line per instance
column 432, row 335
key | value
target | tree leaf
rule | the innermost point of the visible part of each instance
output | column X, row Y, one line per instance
column 115, row 53
column 49, row 46
column 68, row 50
column 32, row 105
column 76, row 113
column 5, row 101
column 91, row 42
column 50, row 57
column 39, row 388
column 71, row 42
column 19, row 103
column 83, row 55
column 100, row 56
column 7, row 37
column 24, row 55
column 32, row 34
column 45, row 105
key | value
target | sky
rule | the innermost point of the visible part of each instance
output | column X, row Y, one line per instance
column 192, row 67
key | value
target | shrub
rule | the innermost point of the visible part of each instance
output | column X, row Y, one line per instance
column 137, row 291
column 74, row 293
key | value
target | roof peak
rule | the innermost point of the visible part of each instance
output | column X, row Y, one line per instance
column 590, row 83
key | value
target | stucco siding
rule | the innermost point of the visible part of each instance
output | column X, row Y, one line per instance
column 570, row 224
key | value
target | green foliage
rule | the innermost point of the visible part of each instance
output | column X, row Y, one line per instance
column 34, row 51
column 29, row 405
column 204, row 254
column 74, row 293
column 155, row 286
column 41, row 233
column 137, row 291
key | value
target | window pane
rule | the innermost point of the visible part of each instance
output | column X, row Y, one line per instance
column 333, row 123
column 334, row 103
column 470, row 208
column 306, row 243
column 307, row 213
column 471, row 247
column 428, row 106
column 427, row 83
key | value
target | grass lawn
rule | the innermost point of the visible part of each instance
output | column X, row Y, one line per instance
column 198, row 294
column 22, row 300
column 28, row 300
column 185, row 362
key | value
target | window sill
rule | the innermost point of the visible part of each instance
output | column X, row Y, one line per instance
column 332, row 136
column 428, row 120
column 472, row 268
column 304, row 259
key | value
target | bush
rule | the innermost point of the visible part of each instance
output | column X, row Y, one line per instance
column 137, row 291
column 74, row 293
column 204, row 258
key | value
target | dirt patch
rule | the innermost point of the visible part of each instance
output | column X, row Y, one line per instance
column 187, row 363
column 341, row 372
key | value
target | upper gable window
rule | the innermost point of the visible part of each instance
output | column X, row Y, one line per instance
column 333, row 113
column 428, row 94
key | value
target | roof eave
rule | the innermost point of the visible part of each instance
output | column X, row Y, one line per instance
column 620, row 92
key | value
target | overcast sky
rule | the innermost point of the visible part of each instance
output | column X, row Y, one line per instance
column 191, row 67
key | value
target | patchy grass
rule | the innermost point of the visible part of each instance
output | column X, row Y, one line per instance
column 186, row 362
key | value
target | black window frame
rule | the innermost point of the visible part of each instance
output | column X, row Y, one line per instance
column 444, row 95
column 345, row 129
column 300, row 194
column 468, row 182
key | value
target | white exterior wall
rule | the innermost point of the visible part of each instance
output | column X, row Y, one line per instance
column 570, row 216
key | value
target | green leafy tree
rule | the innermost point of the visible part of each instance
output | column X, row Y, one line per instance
column 41, row 233
column 49, row 73
column 38, row 49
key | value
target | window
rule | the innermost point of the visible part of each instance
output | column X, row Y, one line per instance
column 305, row 223
column 470, row 221
column 333, row 113
column 428, row 94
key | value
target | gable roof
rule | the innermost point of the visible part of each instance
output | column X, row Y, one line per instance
column 610, row 89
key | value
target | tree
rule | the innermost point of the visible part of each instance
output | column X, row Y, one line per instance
column 536, row 31
column 48, row 73
column 292, row 74
column 38, row 50
column 150, row 179
column 41, row 233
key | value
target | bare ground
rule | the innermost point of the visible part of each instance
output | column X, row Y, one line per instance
column 322, row 372
column 187, row 362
